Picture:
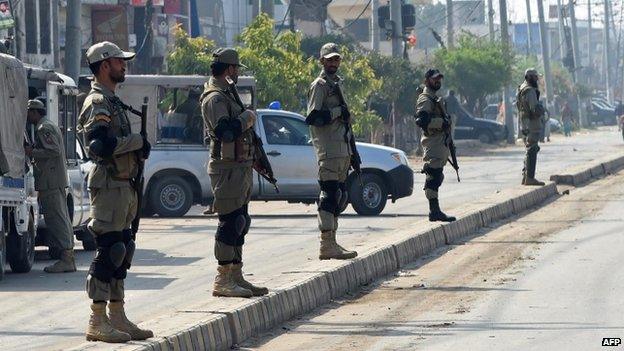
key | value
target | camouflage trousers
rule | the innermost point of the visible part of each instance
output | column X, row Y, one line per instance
column 332, row 169
column 59, row 229
column 112, row 210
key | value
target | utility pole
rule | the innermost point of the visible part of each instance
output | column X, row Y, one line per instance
column 397, row 28
column 397, row 51
column 563, row 50
column 255, row 8
column 509, row 120
column 144, row 54
column 589, row 42
column 72, row 41
column 607, row 48
column 491, row 20
column 374, row 23
column 577, row 60
column 545, row 50
column 449, row 24
column 529, row 25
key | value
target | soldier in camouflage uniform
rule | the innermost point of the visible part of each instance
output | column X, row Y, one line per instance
column 50, row 170
column 230, row 129
column 436, row 124
column 530, row 112
column 329, row 120
column 105, row 127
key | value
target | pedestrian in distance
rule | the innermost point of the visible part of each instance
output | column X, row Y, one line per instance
column 531, row 113
column 330, row 128
column 436, row 124
column 50, row 171
column 230, row 127
column 116, row 151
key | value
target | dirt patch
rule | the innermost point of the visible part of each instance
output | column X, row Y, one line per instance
column 447, row 282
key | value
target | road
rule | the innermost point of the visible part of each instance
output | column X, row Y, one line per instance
column 548, row 280
column 174, row 268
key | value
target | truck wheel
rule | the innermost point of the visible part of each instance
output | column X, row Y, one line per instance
column 2, row 253
column 171, row 196
column 370, row 199
column 21, row 248
column 486, row 137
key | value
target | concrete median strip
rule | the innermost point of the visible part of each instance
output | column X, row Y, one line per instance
column 582, row 174
column 241, row 319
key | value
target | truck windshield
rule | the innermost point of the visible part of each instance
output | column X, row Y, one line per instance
column 179, row 116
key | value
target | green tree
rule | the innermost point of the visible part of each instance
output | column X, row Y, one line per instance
column 189, row 55
column 278, row 64
column 475, row 68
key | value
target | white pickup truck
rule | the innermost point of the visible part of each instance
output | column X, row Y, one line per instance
column 176, row 172
column 18, row 199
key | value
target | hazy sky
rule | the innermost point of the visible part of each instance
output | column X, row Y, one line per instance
column 517, row 9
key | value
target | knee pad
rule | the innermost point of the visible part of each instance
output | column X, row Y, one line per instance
column 111, row 253
column 130, row 244
column 328, row 199
column 231, row 227
column 343, row 197
column 435, row 176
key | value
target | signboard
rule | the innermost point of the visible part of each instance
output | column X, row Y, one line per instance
column 172, row 7
column 144, row 2
column 110, row 24
column 6, row 18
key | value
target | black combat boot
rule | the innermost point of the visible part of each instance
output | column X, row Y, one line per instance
column 530, row 171
column 435, row 214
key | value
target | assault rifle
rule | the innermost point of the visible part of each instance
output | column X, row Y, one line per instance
column 261, row 162
column 356, row 160
column 139, row 181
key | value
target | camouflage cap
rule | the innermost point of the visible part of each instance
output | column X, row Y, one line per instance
column 105, row 50
column 433, row 73
column 330, row 50
column 531, row 72
column 226, row 55
column 35, row 104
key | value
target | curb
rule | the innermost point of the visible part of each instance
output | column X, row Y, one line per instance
column 227, row 328
column 581, row 175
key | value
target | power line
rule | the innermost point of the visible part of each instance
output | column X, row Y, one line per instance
column 283, row 20
column 358, row 17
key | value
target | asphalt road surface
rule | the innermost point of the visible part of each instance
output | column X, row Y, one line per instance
column 173, row 268
column 552, row 279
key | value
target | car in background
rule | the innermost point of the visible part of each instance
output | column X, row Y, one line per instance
column 490, row 112
column 602, row 112
column 484, row 130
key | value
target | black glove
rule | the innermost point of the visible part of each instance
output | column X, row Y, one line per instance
column 422, row 120
column 146, row 149
column 345, row 114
